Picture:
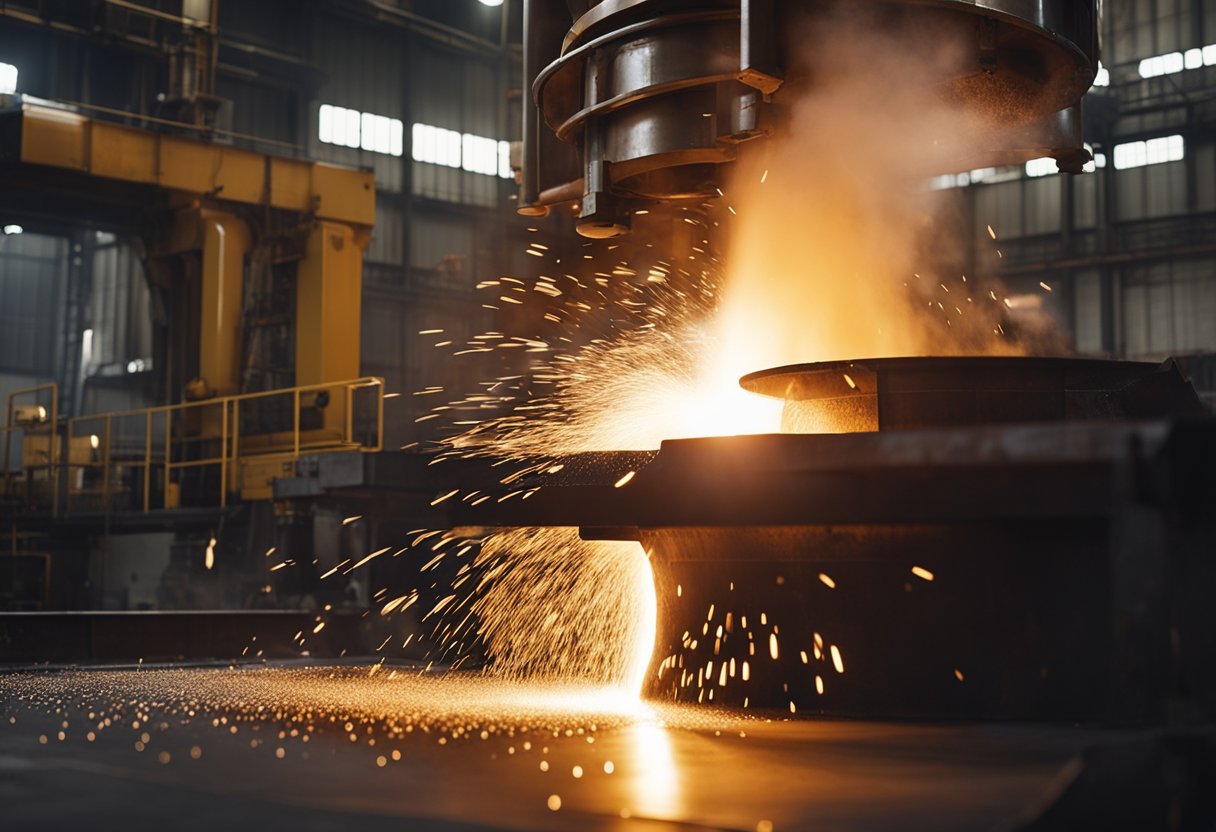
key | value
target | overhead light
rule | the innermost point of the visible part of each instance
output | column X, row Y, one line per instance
column 13, row 229
column 490, row 2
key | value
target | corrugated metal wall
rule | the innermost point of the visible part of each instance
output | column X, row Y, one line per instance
column 120, row 307
column 1169, row 308
column 361, row 68
column 1132, row 253
column 438, row 229
column 1142, row 28
column 33, row 270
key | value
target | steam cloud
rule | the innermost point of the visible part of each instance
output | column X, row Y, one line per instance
column 841, row 252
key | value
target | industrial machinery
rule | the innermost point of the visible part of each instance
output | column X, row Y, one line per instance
column 634, row 101
column 969, row 537
column 985, row 537
column 946, row 539
column 928, row 537
column 255, row 263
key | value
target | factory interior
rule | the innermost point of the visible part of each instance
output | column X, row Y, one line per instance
column 738, row 415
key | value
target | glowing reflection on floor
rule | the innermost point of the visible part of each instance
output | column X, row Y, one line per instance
column 653, row 778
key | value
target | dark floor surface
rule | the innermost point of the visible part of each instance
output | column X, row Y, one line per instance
column 219, row 753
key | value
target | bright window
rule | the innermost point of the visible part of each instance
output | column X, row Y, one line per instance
column 1046, row 165
column 8, row 79
column 476, row 154
column 989, row 176
column 1043, row 166
column 351, row 128
column 504, row 160
column 436, row 145
column 1173, row 62
column 1152, row 152
column 1102, row 79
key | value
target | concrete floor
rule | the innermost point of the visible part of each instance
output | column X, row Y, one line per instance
column 214, row 748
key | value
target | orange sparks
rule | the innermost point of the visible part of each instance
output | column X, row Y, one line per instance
column 393, row 604
column 335, row 569
column 374, row 554
column 922, row 573
column 826, row 580
column 625, row 480
column 837, row 659
column 958, row 674
column 447, row 496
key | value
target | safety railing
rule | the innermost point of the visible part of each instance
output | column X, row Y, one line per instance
column 31, row 446
column 194, row 452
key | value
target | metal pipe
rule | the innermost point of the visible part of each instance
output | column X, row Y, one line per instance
column 544, row 22
column 52, row 471
column 224, row 453
column 147, row 460
column 421, row 24
column 349, row 398
column 151, row 12
column 105, row 470
column 167, row 122
column 379, row 417
column 295, row 431
column 236, row 435
column 164, row 492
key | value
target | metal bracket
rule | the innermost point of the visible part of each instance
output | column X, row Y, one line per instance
column 758, row 46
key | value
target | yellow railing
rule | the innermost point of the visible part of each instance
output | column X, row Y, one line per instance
column 224, row 433
column 42, row 433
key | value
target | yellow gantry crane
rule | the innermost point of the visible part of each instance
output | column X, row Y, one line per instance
column 212, row 206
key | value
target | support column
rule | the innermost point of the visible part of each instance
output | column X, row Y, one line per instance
column 225, row 242
column 329, row 304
